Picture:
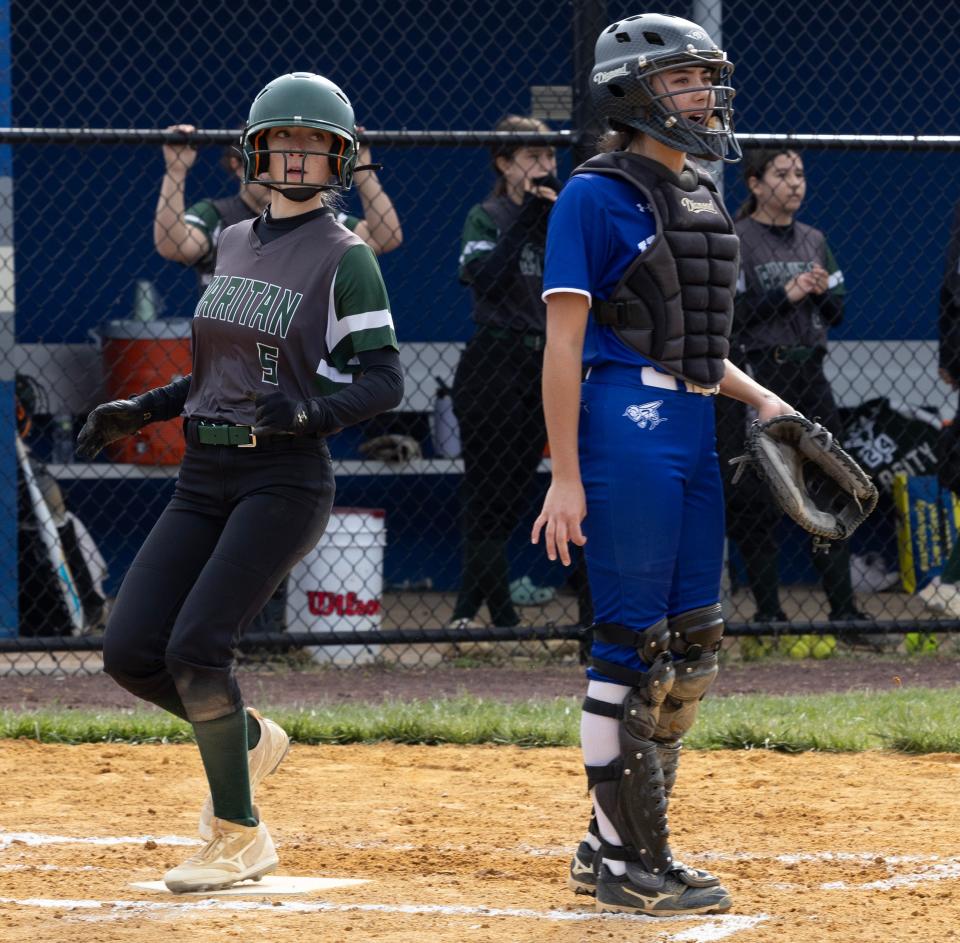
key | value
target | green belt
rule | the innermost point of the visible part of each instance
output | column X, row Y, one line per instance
column 239, row 436
column 530, row 340
column 782, row 354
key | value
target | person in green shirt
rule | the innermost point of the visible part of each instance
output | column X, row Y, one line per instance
column 190, row 235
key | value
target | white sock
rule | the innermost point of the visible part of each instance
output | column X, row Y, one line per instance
column 600, row 743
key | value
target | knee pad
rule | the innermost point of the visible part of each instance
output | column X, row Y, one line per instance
column 207, row 692
column 649, row 644
column 695, row 638
column 631, row 790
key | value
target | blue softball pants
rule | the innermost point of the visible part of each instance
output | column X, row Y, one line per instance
column 654, row 523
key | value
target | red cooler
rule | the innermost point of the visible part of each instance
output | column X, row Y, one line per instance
column 138, row 356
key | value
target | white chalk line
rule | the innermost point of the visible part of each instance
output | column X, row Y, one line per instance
column 36, row 838
column 710, row 928
column 947, row 871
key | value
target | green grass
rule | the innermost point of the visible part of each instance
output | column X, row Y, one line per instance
column 910, row 721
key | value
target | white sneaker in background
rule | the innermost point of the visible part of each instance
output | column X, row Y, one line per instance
column 869, row 573
column 938, row 596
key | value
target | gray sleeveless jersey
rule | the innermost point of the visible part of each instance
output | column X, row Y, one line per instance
column 290, row 316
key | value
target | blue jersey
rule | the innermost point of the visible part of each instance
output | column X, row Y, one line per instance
column 597, row 227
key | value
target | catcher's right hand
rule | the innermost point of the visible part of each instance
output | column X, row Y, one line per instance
column 109, row 422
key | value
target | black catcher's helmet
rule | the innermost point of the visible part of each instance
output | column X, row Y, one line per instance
column 630, row 52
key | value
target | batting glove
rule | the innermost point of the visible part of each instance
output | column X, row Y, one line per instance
column 109, row 422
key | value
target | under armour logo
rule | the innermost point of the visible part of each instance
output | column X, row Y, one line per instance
column 646, row 415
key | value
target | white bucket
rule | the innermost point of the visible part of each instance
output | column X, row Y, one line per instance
column 338, row 586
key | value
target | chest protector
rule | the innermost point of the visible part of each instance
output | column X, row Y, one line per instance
column 674, row 304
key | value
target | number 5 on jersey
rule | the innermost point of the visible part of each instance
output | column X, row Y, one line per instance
column 268, row 361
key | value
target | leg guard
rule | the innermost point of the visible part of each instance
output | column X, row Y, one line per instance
column 695, row 638
column 630, row 790
column 669, row 754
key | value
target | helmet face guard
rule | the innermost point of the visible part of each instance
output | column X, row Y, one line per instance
column 300, row 100
column 632, row 53
column 256, row 160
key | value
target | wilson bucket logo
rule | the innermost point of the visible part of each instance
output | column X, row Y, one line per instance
column 341, row 604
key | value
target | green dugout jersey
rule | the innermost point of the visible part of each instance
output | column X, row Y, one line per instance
column 515, row 303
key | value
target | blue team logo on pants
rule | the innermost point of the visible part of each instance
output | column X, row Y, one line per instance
column 647, row 415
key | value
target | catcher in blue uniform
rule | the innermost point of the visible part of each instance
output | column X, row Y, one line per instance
column 639, row 281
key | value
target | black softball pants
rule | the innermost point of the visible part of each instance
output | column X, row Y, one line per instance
column 752, row 516
column 499, row 405
column 498, row 402
column 238, row 521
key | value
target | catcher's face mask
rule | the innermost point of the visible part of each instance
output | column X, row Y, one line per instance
column 631, row 85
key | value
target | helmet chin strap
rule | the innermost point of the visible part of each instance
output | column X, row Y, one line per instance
column 297, row 194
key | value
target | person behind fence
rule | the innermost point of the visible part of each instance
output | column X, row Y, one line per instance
column 190, row 236
column 640, row 238
column 790, row 292
column 496, row 390
column 942, row 593
column 292, row 340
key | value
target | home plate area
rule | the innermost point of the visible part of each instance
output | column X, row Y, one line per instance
column 403, row 844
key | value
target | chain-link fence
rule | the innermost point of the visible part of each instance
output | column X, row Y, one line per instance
column 109, row 229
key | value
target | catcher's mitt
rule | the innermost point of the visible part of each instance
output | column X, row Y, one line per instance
column 812, row 479
column 391, row 448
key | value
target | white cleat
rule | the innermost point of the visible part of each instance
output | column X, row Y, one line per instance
column 235, row 853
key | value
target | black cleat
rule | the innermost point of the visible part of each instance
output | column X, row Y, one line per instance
column 583, row 870
column 681, row 890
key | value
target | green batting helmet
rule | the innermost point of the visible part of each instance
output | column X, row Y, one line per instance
column 301, row 99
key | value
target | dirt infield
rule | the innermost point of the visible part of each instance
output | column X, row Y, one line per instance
column 472, row 845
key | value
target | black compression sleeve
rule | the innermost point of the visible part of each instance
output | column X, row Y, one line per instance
column 831, row 308
column 165, row 402
column 379, row 388
column 493, row 273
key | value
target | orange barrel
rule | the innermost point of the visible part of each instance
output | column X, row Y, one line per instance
column 138, row 356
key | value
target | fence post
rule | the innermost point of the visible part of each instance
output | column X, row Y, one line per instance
column 8, row 426
column 589, row 18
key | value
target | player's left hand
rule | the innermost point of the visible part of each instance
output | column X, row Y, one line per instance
column 277, row 412
column 772, row 406
column 109, row 422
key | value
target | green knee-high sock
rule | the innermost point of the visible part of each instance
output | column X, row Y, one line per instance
column 223, row 749
column 951, row 569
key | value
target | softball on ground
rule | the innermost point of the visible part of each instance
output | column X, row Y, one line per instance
column 796, row 646
column 754, row 647
column 920, row 643
column 822, row 646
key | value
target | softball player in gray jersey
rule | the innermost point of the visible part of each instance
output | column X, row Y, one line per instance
column 292, row 340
